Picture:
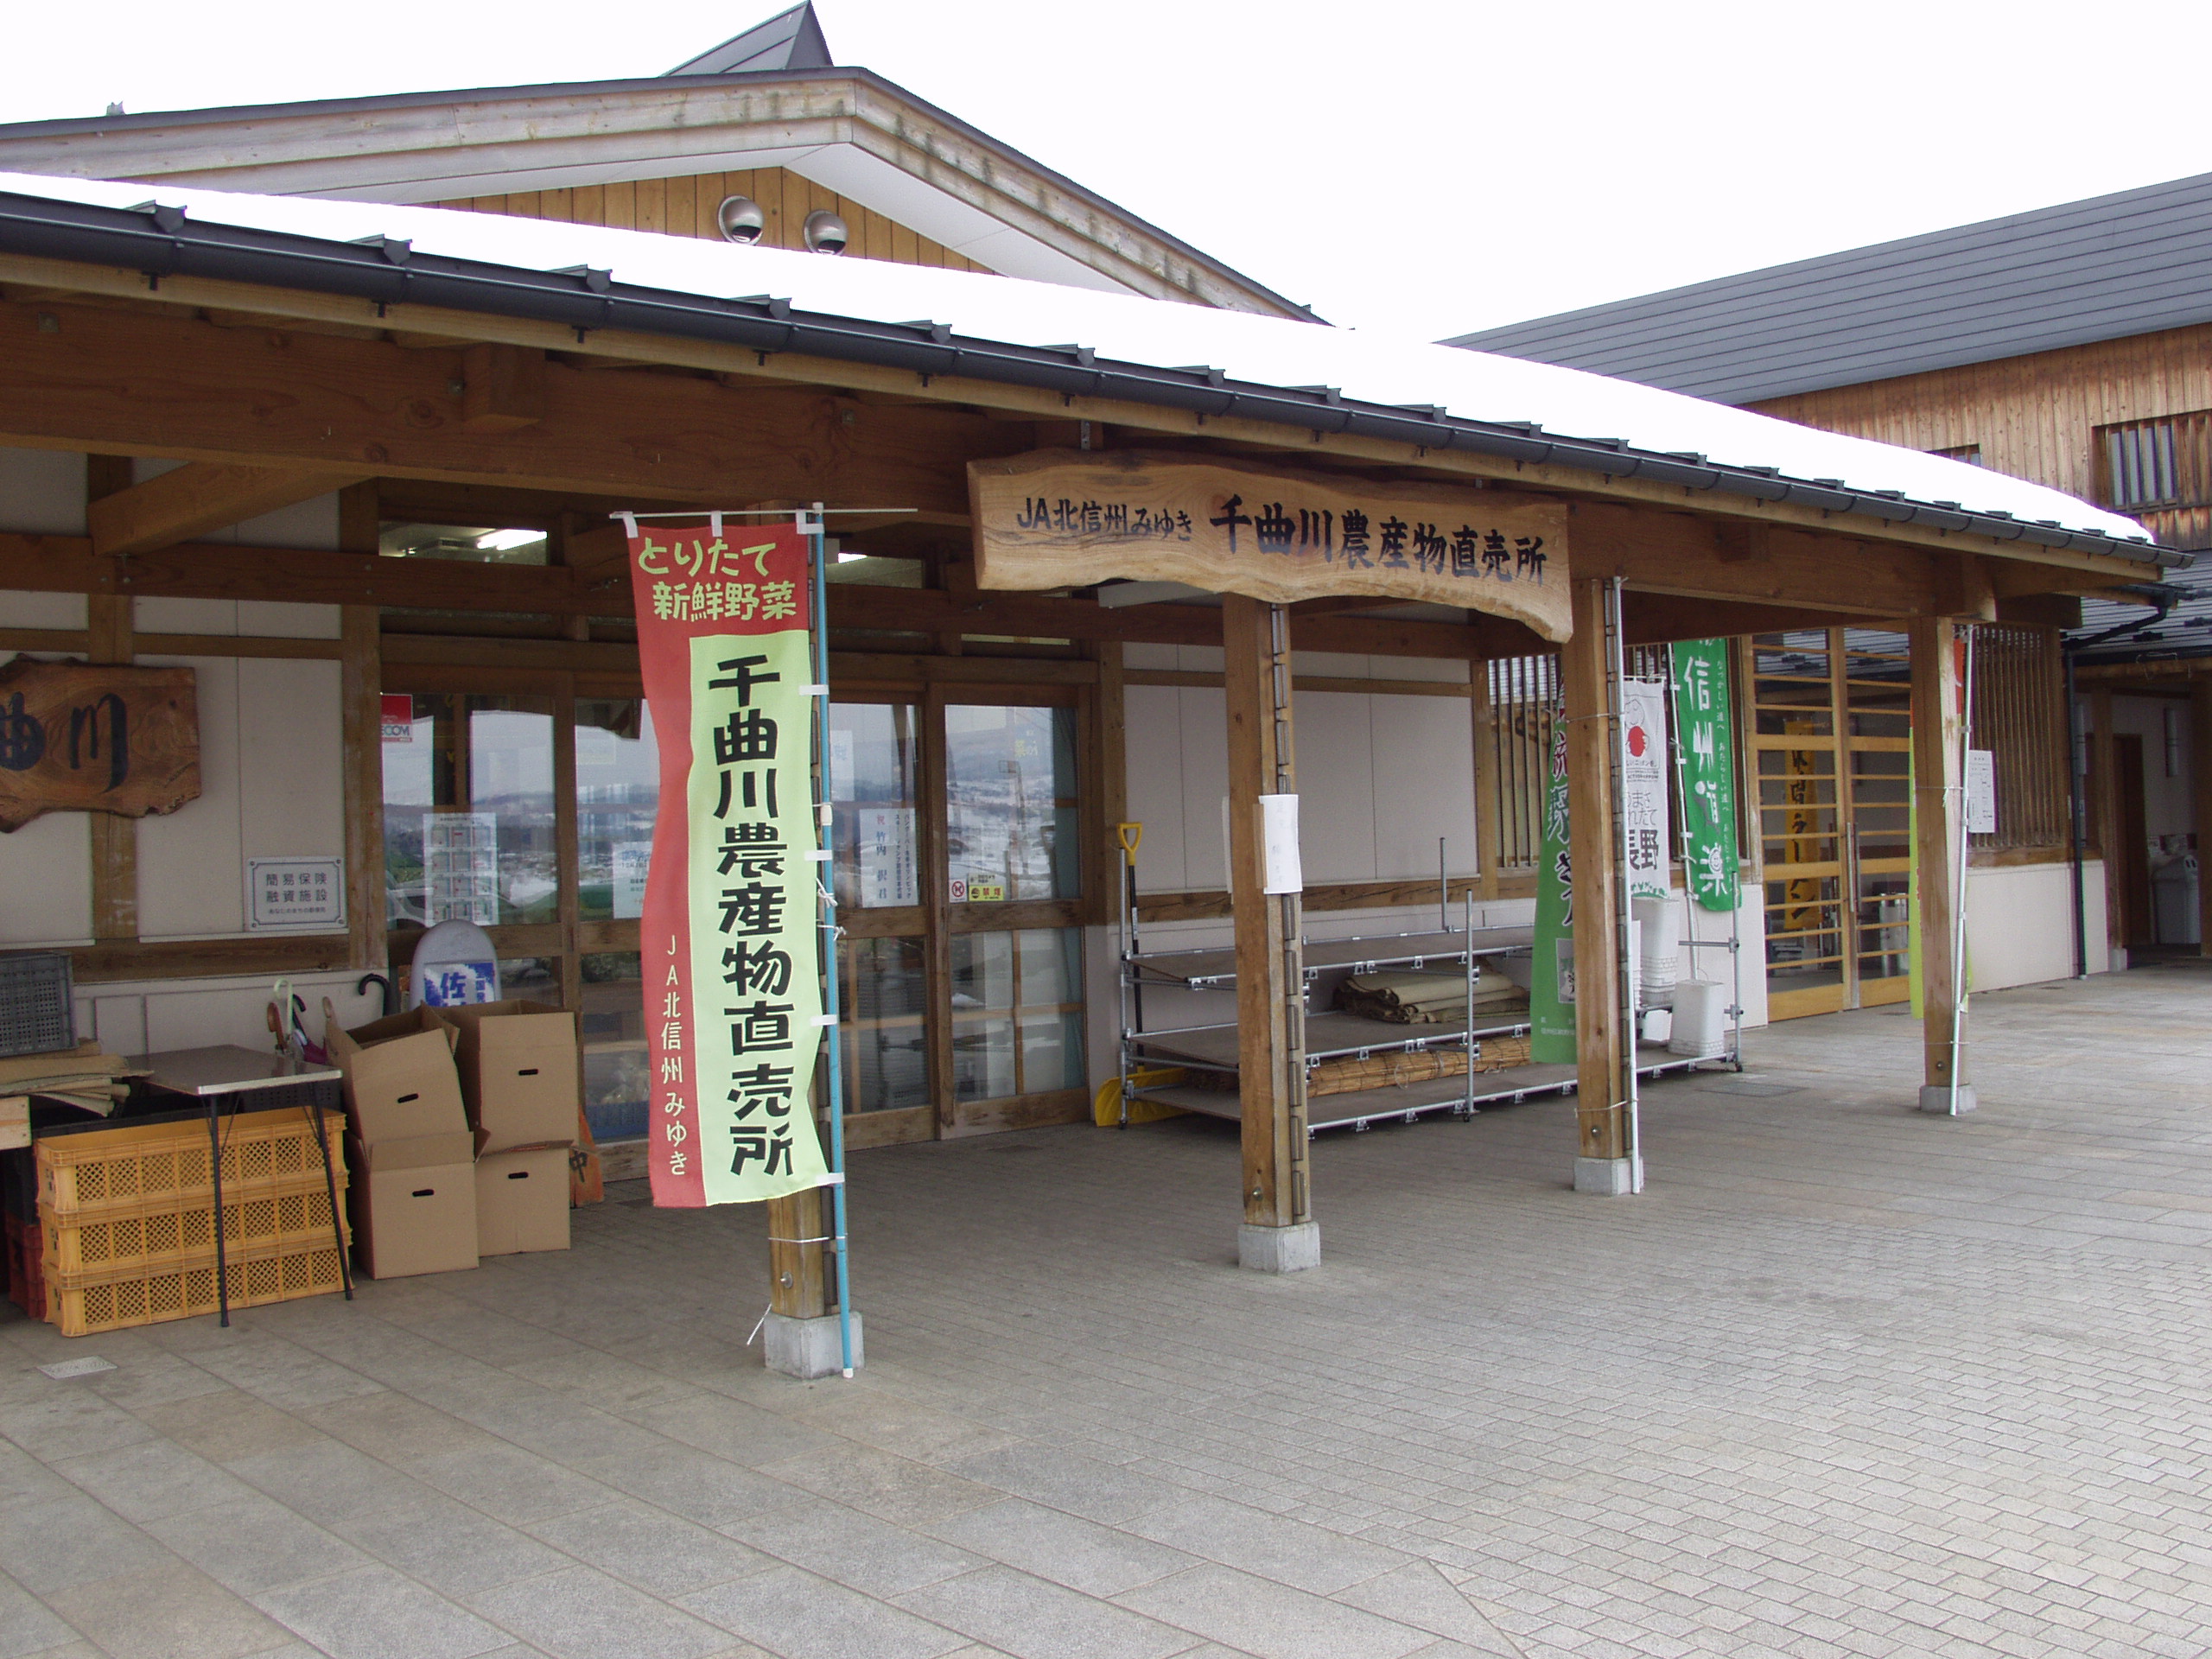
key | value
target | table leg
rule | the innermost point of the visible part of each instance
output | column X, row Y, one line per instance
column 330, row 1185
column 215, row 1172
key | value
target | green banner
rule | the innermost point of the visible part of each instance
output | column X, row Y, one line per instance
column 1708, row 733
column 1551, row 992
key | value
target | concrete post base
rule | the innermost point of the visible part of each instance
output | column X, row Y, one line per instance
column 1611, row 1178
column 808, row 1348
column 1937, row 1097
column 1279, row 1250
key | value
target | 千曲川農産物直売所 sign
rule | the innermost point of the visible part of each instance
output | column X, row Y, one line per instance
column 1060, row 518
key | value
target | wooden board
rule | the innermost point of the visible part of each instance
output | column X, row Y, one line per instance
column 77, row 737
column 1065, row 517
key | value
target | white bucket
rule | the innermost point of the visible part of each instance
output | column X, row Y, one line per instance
column 1701, row 1020
column 1659, row 934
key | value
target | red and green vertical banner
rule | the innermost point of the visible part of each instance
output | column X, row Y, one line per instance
column 729, row 941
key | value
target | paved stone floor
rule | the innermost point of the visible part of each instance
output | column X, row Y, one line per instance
column 1844, row 1380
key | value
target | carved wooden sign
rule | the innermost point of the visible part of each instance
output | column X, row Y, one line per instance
column 88, row 737
column 1062, row 519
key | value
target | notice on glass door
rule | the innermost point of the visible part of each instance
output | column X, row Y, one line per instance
column 886, row 855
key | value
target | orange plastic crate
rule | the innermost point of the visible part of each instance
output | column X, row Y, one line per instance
column 169, row 1234
column 132, row 1165
column 256, row 1277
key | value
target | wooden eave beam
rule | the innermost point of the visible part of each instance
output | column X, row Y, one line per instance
column 912, row 390
column 156, row 383
column 212, row 571
column 197, row 498
column 1662, row 619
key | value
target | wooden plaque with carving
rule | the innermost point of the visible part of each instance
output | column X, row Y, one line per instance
column 89, row 737
column 1061, row 518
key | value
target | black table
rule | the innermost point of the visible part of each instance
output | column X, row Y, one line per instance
column 229, row 1079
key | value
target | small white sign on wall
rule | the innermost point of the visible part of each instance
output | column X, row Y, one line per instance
column 1981, row 792
column 288, row 894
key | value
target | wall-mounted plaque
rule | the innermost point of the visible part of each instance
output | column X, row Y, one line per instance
column 1062, row 519
column 294, row 893
column 92, row 737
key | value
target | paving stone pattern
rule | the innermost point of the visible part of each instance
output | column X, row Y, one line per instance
column 1845, row 1380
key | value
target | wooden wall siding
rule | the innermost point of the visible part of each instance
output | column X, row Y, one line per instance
column 686, row 207
column 2033, row 417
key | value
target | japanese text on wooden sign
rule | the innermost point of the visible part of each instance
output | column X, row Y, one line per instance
column 732, row 970
column 1059, row 518
column 88, row 737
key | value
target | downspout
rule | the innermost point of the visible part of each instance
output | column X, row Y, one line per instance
column 2162, row 598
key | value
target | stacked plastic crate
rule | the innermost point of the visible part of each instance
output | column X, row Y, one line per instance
column 127, row 1220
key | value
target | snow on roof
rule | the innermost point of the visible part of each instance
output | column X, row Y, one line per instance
column 1367, row 365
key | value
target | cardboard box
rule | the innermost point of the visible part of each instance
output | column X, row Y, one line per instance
column 522, row 1201
column 413, row 1204
column 400, row 1080
column 519, row 1072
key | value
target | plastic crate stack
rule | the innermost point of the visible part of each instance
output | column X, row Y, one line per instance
column 126, row 1217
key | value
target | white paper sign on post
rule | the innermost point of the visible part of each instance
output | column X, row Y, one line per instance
column 1981, row 792
column 1278, row 845
column 1644, row 785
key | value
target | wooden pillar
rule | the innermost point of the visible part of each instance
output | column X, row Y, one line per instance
column 1270, row 1046
column 2200, row 784
column 361, row 699
column 110, row 618
column 2105, row 820
column 1604, row 1042
column 1490, row 824
column 798, row 1275
column 1939, row 855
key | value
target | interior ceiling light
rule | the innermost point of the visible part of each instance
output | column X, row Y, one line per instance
column 741, row 220
column 826, row 233
column 502, row 541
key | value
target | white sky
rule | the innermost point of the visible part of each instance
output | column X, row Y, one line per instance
column 1431, row 168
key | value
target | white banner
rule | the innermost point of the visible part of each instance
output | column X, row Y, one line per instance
column 1644, row 785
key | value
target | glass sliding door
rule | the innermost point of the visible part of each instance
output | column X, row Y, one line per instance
column 1012, row 891
column 617, row 792
column 877, row 834
column 1800, row 784
column 1877, row 698
column 1832, row 721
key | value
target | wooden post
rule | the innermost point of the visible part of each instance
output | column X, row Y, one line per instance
column 2104, row 819
column 1109, row 784
column 1279, row 1235
column 1607, row 1158
column 110, row 619
column 937, row 963
column 2200, row 784
column 361, row 699
column 1939, row 855
column 799, row 1288
column 1489, row 823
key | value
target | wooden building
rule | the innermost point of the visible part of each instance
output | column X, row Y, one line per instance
column 2071, row 346
column 353, row 462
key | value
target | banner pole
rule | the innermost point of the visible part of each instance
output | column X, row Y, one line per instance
column 810, row 525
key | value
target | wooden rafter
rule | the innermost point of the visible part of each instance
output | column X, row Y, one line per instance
column 196, row 498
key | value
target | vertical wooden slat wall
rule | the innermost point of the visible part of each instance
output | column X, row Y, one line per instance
column 2038, row 417
column 2019, row 715
column 687, row 206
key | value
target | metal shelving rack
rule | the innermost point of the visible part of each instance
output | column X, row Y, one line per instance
column 1330, row 1035
column 1212, row 1047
